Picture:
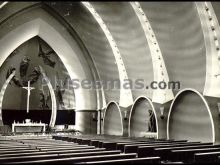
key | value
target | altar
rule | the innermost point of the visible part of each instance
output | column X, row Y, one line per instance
column 28, row 127
column 149, row 135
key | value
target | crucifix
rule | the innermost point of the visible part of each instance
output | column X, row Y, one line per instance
column 28, row 88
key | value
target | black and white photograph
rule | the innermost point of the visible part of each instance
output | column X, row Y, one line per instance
column 109, row 82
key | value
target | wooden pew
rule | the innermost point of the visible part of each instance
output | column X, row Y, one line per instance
column 79, row 159
column 85, row 141
column 145, row 151
column 109, row 145
column 113, row 144
column 8, row 142
column 132, row 147
column 47, row 143
column 47, row 150
column 65, row 138
column 149, row 160
column 57, row 146
column 94, row 143
column 17, row 151
column 14, row 146
column 49, row 146
column 79, row 139
column 120, row 146
column 101, row 138
column 165, row 152
column 207, row 157
column 69, row 148
column 55, row 156
column 187, row 155
column 54, row 152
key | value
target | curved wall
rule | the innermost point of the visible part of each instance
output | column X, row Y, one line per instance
column 113, row 124
column 138, row 120
column 85, row 122
column 216, row 8
column 130, row 39
column 179, row 33
column 189, row 118
column 12, row 8
column 94, row 39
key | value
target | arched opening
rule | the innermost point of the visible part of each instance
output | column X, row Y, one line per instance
column 27, row 60
column 61, row 41
column 190, row 118
column 113, row 124
column 60, row 38
column 143, row 120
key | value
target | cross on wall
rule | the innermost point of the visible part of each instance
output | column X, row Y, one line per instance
column 28, row 88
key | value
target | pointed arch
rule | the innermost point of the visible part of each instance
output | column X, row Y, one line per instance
column 194, row 121
column 125, row 94
column 139, row 100
column 61, row 42
column 113, row 121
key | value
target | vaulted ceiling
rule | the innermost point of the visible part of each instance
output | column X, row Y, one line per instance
column 154, row 41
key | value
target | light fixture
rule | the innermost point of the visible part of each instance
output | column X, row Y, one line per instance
column 101, row 115
column 162, row 112
column 218, row 109
column 94, row 116
column 213, row 28
column 206, row 8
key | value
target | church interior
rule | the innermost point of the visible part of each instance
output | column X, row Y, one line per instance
column 109, row 82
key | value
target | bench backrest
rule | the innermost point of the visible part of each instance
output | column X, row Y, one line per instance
column 149, row 160
column 80, row 159
column 207, row 157
column 54, row 156
column 188, row 154
column 162, row 150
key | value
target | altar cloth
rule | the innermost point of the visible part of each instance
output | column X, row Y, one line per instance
column 28, row 127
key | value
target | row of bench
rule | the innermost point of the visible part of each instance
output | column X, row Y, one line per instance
column 44, row 151
column 168, row 150
column 96, row 149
